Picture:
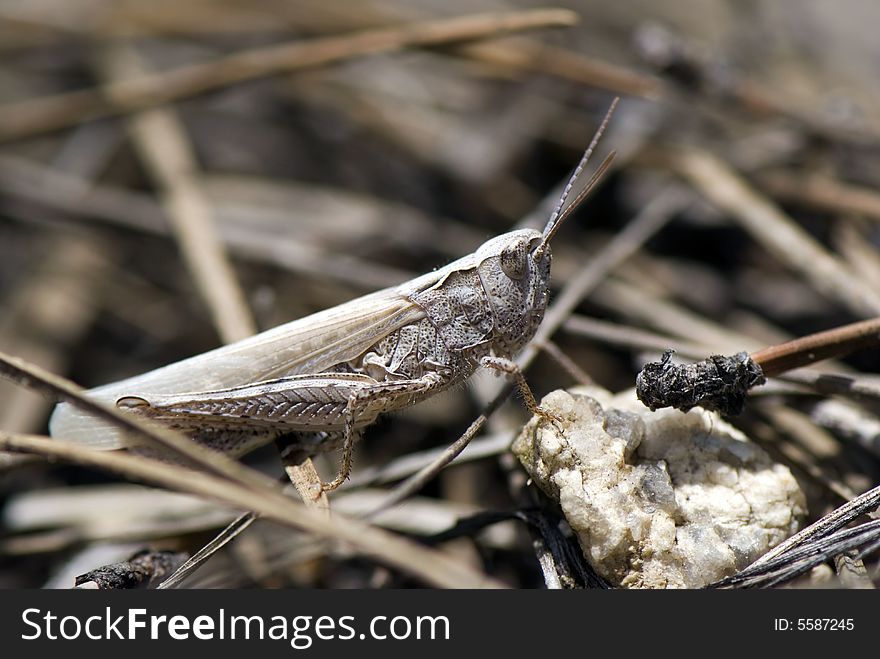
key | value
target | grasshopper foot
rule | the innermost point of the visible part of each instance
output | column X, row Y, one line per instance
column 341, row 477
column 550, row 416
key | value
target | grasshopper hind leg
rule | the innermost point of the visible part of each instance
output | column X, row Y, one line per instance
column 345, row 468
column 380, row 397
column 295, row 448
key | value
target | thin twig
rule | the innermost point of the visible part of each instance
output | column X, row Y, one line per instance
column 856, row 387
column 721, row 383
column 565, row 362
column 804, row 448
column 648, row 221
column 406, row 465
column 836, row 342
column 634, row 302
column 305, row 480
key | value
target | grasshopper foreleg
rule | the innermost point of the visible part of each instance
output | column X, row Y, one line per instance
column 510, row 368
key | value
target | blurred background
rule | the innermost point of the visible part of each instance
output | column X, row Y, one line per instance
column 176, row 175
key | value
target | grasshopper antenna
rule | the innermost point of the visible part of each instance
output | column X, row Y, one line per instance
column 558, row 216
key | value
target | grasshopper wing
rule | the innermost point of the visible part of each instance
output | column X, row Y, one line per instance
column 309, row 345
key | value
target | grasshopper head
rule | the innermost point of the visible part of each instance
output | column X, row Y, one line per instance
column 515, row 268
column 515, row 274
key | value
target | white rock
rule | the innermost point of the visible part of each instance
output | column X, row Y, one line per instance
column 659, row 499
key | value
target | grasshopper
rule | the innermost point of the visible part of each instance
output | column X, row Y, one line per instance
column 320, row 380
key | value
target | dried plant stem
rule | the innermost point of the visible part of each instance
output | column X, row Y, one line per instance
column 34, row 116
column 808, row 447
column 421, row 478
column 844, row 384
column 865, row 503
column 806, row 350
column 306, row 480
column 639, row 230
column 632, row 301
column 432, row 566
column 856, row 387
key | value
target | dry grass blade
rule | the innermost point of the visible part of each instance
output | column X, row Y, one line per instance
column 304, row 478
column 634, row 302
column 237, row 485
column 645, row 224
column 798, row 560
column 431, row 566
column 194, row 562
column 406, row 465
column 161, row 140
column 31, row 117
column 865, row 503
column 808, row 448
column 777, row 232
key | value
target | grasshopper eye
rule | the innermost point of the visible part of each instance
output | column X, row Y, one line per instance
column 513, row 260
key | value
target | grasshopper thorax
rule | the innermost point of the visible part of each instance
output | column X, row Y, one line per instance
column 515, row 275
